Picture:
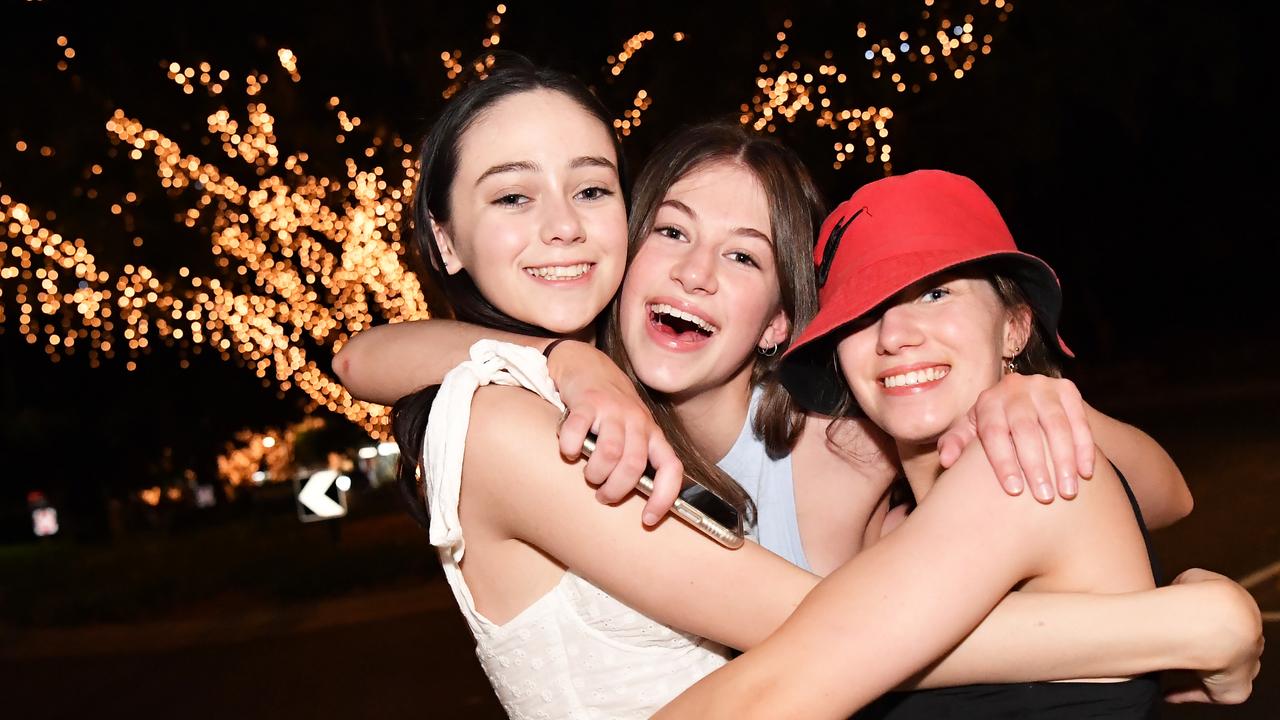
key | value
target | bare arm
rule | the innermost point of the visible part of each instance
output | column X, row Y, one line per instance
column 669, row 572
column 387, row 362
column 1207, row 626
column 1162, row 492
column 738, row 597
column 1014, row 418
column 909, row 599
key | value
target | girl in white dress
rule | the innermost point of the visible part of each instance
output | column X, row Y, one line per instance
column 572, row 601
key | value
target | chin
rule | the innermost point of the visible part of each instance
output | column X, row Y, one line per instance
column 665, row 383
column 565, row 326
column 913, row 430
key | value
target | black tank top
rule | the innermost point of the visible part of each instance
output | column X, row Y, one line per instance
column 1129, row 700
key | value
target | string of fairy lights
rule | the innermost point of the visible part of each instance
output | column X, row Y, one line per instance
column 304, row 260
column 942, row 47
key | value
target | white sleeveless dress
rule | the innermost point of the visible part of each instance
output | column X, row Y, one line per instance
column 576, row 652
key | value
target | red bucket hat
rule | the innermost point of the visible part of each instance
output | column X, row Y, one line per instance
column 890, row 235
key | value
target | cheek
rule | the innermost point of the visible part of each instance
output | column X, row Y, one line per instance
column 750, row 300
column 646, row 268
column 489, row 243
column 856, row 354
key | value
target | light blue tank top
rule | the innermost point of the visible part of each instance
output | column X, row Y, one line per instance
column 770, row 485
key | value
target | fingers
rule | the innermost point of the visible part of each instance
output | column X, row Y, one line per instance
column 667, row 479
column 1081, row 433
column 959, row 435
column 1059, row 434
column 625, row 474
column 573, row 432
column 993, row 432
column 610, row 439
column 1191, row 575
column 1189, row 695
column 949, row 447
column 1029, row 445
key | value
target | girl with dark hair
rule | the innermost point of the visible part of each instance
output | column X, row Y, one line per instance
column 927, row 303
column 547, row 568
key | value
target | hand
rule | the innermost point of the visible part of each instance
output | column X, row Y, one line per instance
column 1013, row 420
column 601, row 399
column 1234, row 643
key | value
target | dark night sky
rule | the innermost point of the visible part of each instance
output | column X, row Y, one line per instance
column 1119, row 139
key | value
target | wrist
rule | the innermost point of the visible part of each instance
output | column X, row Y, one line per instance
column 550, row 347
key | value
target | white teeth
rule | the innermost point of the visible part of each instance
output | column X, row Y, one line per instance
column 560, row 272
column 664, row 309
column 916, row 377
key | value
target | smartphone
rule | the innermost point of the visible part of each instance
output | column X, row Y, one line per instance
column 697, row 505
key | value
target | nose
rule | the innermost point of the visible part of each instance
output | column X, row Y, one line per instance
column 898, row 331
column 695, row 269
column 561, row 224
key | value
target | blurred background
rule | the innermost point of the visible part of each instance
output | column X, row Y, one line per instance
column 200, row 203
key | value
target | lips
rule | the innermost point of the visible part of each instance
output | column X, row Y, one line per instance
column 678, row 325
column 911, row 379
column 560, row 273
column 675, row 316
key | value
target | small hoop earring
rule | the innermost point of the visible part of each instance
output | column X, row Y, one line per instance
column 769, row 351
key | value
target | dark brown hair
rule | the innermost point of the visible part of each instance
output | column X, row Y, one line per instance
column 795, row 213
column 511, row 75
column 1037, row 357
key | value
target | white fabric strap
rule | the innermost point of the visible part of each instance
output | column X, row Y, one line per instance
column 492, row 363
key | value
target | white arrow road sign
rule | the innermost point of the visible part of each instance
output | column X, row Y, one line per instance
column 315, row 501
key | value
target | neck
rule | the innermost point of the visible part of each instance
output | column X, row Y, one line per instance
column 921, row 465
column 713, row 417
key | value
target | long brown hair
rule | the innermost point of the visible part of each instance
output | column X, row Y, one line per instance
column 438, row 163
column 795, row 213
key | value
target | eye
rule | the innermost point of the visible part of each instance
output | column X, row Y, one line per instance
column 668, row 231
column 935, row 294
column 741, row 257
column 594, row 193
column 511, row 200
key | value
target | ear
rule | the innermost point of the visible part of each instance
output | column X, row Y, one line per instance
column 444, row 243
column 776, row 332
column 1017, row 330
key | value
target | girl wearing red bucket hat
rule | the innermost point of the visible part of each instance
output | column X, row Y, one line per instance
column 925, row 303
column 710, row 601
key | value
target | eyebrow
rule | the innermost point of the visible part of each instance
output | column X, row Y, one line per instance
column 521, row 166
column 527, row 166
column 593, row 161
column 745, row 231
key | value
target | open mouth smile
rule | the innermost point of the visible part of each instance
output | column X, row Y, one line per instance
column 910, row 380
column 560, row 273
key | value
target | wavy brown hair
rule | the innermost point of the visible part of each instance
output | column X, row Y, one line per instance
column 795, row 214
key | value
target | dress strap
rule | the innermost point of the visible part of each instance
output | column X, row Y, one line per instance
column 491, row 363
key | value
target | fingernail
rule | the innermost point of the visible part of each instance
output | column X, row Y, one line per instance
column 650, row 519
column 1070, row 486
column 1043, row 492
column 1014, row 483
column 1087, row 470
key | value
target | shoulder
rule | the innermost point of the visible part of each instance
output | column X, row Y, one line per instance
column 511, row 435
column 507, row 420
column 507, row 405
column 970, row 489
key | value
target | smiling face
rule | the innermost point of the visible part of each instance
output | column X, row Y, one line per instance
column 702, row 290
column 922, row 363
column 537, row 217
